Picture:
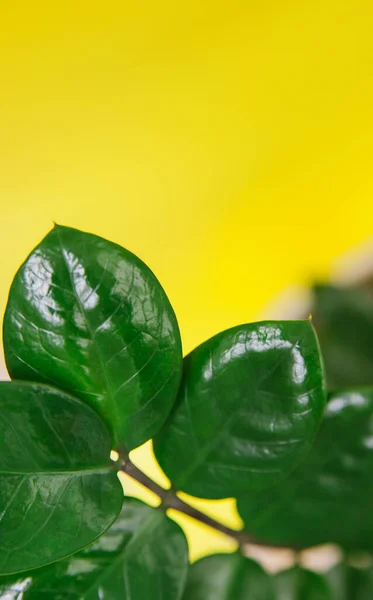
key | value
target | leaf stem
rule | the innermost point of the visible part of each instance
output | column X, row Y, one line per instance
column 171, row 500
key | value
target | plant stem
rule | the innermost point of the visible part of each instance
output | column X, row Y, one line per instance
column 171, row 500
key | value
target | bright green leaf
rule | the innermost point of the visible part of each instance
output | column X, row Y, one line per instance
column 344, row 323
column 329, row 497
column 58, row 489
column 301, row 584
column 250, row 404
column 143, row 556
column 228, row 577
column 91, row 318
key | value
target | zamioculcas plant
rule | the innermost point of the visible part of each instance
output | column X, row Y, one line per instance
column 93, row 348
column 344, row 321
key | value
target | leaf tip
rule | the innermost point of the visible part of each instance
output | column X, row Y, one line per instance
column 57, row 225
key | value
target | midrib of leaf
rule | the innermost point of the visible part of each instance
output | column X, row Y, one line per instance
column 205, row 451
column 109, row 394
column 209, row 447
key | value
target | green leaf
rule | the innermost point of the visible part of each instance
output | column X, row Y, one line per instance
column 228, row 577
column 58, row 489
column 344, row 323
column 351, row 583
column 329, row 498
column 338, row 579
column 91, row 318
column 144, row 555
column 300, row 584
column 249, row 406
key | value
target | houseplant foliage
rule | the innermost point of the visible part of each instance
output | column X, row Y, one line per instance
column 343, row 317
column 93, row 348
column 228, row 577
column 333, row 482
column 144, row 550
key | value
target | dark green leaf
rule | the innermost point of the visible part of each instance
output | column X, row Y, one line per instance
column 344, row 323
column 300, row 584
column 249, row 406
column 58, row 489
column 338, row 581
column 91, row 318
column 228, row 577
column 143, row 556
column 329, row 498
column 351, row 583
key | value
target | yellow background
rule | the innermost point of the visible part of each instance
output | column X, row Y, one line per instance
column 229, row 144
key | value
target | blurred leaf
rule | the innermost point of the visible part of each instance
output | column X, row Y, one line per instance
column 351, row 583
column 228, row 577
column 249, row 407
column 91, row 318
column 343, row 318
column 300, row 584
column 58, row 490
column 144, row 555
column 337, row 577
column 329, row 497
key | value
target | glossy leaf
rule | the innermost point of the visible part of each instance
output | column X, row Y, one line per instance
column 89, row 317
column 144, row 555
column 228, row 577
column 58, row 490
column 301, row 584
column 249, row 406
column 329, row 498
column 344, row 322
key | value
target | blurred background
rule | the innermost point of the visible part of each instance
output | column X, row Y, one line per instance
column 228, row 144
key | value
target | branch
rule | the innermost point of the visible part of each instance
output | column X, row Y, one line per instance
column 171, row 500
